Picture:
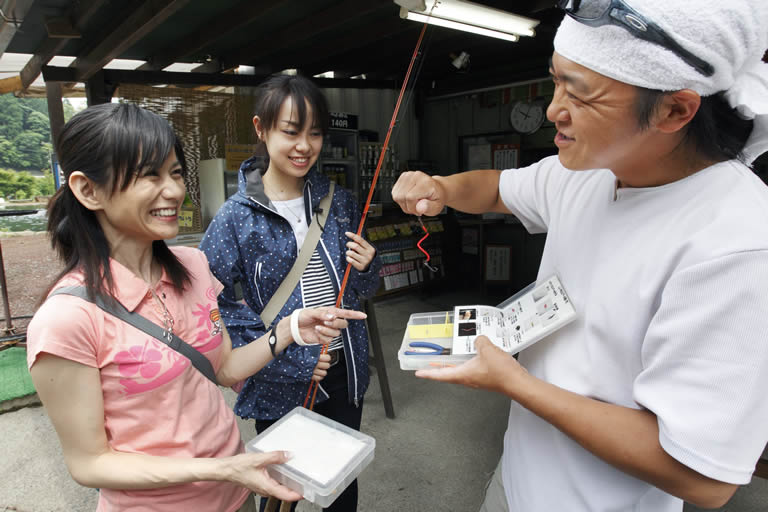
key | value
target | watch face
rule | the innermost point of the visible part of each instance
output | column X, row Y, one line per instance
column 526, row 117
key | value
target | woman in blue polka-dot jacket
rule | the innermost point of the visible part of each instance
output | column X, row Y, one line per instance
column 252, row 243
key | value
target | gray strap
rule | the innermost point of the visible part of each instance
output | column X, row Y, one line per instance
column 285, row 289
column 198, row 360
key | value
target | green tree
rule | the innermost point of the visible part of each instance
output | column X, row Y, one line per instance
column 69, row 109
column 45, row 186
column 29, row 145
column 11, row 116
column 17, row 184
column 7, row 180
column 37, row 104
column 9, row 157
column 38, row 123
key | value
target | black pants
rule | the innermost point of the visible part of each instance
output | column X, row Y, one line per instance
column 337, row 408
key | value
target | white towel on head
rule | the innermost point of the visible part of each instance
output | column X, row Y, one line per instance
column 731, row 35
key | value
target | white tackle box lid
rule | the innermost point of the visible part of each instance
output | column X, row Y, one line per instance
column 327, row 456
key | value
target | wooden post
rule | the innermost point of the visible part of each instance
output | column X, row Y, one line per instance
column 97, row 90
column 55, row 110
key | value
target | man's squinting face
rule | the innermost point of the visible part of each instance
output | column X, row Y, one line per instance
column 595, row 117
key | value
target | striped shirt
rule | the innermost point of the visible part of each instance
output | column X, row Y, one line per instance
column 317, row 290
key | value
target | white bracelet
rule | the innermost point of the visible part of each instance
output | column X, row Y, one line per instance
column 295, row 328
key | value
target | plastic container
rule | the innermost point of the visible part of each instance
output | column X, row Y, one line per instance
column 435, row 323
column 327, row 456
column 517, row 323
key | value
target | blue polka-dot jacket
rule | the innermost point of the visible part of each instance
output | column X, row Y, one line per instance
column 251, row 246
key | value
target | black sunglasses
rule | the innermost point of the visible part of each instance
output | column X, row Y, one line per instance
column 616, row 12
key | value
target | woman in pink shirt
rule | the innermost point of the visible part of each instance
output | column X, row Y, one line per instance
column 134, row 417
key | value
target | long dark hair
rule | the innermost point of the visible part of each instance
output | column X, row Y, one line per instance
column 108, row 143
column 717, row 131
column 275, row 90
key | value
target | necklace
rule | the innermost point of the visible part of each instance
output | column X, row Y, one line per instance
column 293, row 213
column 167, row 318
column 284, row 204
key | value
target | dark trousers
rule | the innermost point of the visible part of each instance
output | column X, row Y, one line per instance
column 337, row 408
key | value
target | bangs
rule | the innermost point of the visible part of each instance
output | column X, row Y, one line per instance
column 140, row 139
column 302, row 92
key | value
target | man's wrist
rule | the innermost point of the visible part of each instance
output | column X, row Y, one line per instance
column 444, row 191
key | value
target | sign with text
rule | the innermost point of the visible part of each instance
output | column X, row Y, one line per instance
column 186, row 218
column 343, row 120
column 498, row 262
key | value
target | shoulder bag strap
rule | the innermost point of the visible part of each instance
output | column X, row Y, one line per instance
column 198, row 360
column 285, row 289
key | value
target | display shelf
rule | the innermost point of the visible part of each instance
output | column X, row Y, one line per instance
column 403, row 266
column 370, row 153
column 339, row 158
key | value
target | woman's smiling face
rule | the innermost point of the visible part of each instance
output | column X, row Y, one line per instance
column 147, row 209
column 292, row 149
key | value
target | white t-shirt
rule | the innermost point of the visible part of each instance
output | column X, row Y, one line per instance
column 670, row 285
column 316, row 285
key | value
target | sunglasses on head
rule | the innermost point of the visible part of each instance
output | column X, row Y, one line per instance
column 596, row 13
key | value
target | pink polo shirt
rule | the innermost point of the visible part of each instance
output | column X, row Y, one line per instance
column 155, row 401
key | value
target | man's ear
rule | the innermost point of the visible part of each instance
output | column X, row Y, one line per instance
column 677, row 109
column 85, row 191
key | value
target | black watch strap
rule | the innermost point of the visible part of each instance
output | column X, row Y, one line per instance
column 272, row 340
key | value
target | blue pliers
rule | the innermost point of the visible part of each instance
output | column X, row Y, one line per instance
column 423, row 348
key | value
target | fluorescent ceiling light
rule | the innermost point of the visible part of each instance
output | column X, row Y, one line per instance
column 456, row 25
column 468, row 16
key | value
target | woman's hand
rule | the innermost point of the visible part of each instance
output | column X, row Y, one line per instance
column 250, row 471
column 321, row 369
column 322, row 325
column 360, row 253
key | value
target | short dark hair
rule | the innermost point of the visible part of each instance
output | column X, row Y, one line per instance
column 108, row 143
column 717, row 131
column 276, row 89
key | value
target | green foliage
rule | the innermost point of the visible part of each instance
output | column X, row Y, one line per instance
column 38, row 123
column 22, row 185
column 69, row 110
column 25, row 135
column 9, row 157
column 11, row 116
column 32, row 154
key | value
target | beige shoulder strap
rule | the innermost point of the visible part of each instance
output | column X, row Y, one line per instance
column 285, row 289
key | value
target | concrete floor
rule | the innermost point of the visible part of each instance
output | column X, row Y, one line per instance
column 434, row 456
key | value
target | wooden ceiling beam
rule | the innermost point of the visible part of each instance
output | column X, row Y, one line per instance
column 210, row 31
column 80, row 14
column 115, row 77
column 141, row 21
column 365, row 59
column 331, row 47
column 14, row 14
column 311, row 25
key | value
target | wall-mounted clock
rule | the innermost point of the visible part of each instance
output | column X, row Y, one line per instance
column 526, row 117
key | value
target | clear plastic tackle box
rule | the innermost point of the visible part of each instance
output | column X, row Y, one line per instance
column 435, row 327
column 327, row 456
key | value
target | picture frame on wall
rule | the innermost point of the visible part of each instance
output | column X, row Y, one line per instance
column 498, row 263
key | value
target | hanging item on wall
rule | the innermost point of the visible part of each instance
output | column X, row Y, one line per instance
column 526, row 117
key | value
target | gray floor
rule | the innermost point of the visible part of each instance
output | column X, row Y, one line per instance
column 434, row 456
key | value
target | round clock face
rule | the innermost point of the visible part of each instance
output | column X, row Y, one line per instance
column 526, row 117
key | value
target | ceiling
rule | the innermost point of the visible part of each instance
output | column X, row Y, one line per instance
column 349, row 37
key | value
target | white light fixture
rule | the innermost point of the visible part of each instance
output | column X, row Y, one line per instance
column 460, row 61
column 469, row 17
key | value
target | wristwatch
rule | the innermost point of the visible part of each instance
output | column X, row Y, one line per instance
column 272, row 340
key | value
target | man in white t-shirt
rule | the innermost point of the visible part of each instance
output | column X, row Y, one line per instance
column 656, row 393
